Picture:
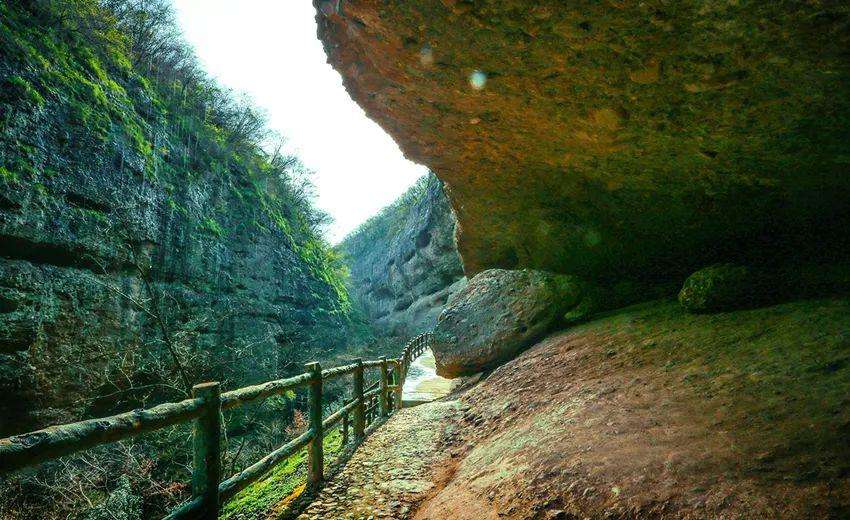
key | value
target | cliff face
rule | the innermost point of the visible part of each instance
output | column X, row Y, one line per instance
column 137, row 239
column 404, row 263
column 624, row 140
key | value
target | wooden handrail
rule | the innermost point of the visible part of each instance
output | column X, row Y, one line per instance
column 204, row 408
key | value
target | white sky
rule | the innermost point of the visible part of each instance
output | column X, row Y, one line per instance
column 269, row 49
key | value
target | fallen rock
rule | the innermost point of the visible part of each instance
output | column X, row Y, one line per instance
column 718, row 288
column 498, row 315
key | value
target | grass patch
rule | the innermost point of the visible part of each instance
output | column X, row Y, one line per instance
column 285, row 482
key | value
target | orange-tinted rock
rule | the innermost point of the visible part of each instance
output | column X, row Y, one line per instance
column 614, row 139
column 498, row 315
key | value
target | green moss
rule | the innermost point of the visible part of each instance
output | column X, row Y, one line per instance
column 778, row 377
column 284, row 480
column 8, row 176
column 21, row 89
column 212, row 226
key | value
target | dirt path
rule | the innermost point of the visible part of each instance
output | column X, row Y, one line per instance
column 393, row 471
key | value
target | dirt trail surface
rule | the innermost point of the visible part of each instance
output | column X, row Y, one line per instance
column 394, row 469
column 654, row 413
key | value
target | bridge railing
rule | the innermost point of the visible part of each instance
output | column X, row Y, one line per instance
column 205, row 407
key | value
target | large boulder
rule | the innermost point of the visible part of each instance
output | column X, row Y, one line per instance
column 499, row 314
column 728, row 286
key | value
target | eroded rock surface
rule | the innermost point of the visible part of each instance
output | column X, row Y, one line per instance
column 619, row 139
column 404, row 263
column 652, row 412
column 717, row 287
column 497, row 315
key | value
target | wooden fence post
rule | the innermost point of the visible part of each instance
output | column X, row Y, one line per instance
column 359, row 409
column 384, row 396
column 206, row 463
column 345, row 430
column 315, row 466
column 398, row 385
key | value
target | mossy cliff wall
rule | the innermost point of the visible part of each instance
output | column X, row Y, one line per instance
column 624, row 140
column 404, row 263
column 130, row 224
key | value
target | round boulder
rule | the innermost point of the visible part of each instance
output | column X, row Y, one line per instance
column 717, row 288
column 497, row 315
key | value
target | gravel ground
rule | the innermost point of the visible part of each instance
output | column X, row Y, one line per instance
column 392, row 472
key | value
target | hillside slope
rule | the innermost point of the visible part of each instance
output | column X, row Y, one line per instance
column 403, row 261
column 653, row 413
column 146, row 239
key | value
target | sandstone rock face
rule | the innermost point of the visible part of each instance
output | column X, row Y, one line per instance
column 497, row 315
column 404, row 263
column 618, row 139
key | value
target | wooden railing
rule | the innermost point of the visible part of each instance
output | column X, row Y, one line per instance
column 205, row 407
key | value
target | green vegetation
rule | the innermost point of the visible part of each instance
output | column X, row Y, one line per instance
column 285, row 482
column 122, row 149
column 387, row 222
column 113, row 81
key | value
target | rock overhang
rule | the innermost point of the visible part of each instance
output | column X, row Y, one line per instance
column 614, row 139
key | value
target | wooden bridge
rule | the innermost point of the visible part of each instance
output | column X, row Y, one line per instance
column 205, row 407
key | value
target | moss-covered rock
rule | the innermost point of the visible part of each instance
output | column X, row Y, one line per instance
column 123, row 201
column 718, row 288
column 120, row 504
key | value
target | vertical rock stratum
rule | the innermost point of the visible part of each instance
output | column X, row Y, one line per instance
column 404, row 263
column 134, row 222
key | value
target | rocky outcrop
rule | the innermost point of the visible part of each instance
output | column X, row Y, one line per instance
column 651, row 412
column 142, row 247
column 728, row 286
column 626, row 140
column 497, row 315
column 403, row 262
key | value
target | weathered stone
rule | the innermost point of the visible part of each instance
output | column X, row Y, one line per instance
column 717, row 288
column 614, row 139
column 497, row 315
column 102, row 235
column 404, row 263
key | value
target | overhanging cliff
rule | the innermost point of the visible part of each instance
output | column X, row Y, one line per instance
column 614, row 139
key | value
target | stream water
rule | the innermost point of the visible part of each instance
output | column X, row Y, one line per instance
column 423, row 383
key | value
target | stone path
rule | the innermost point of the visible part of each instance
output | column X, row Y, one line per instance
column 392, row 472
